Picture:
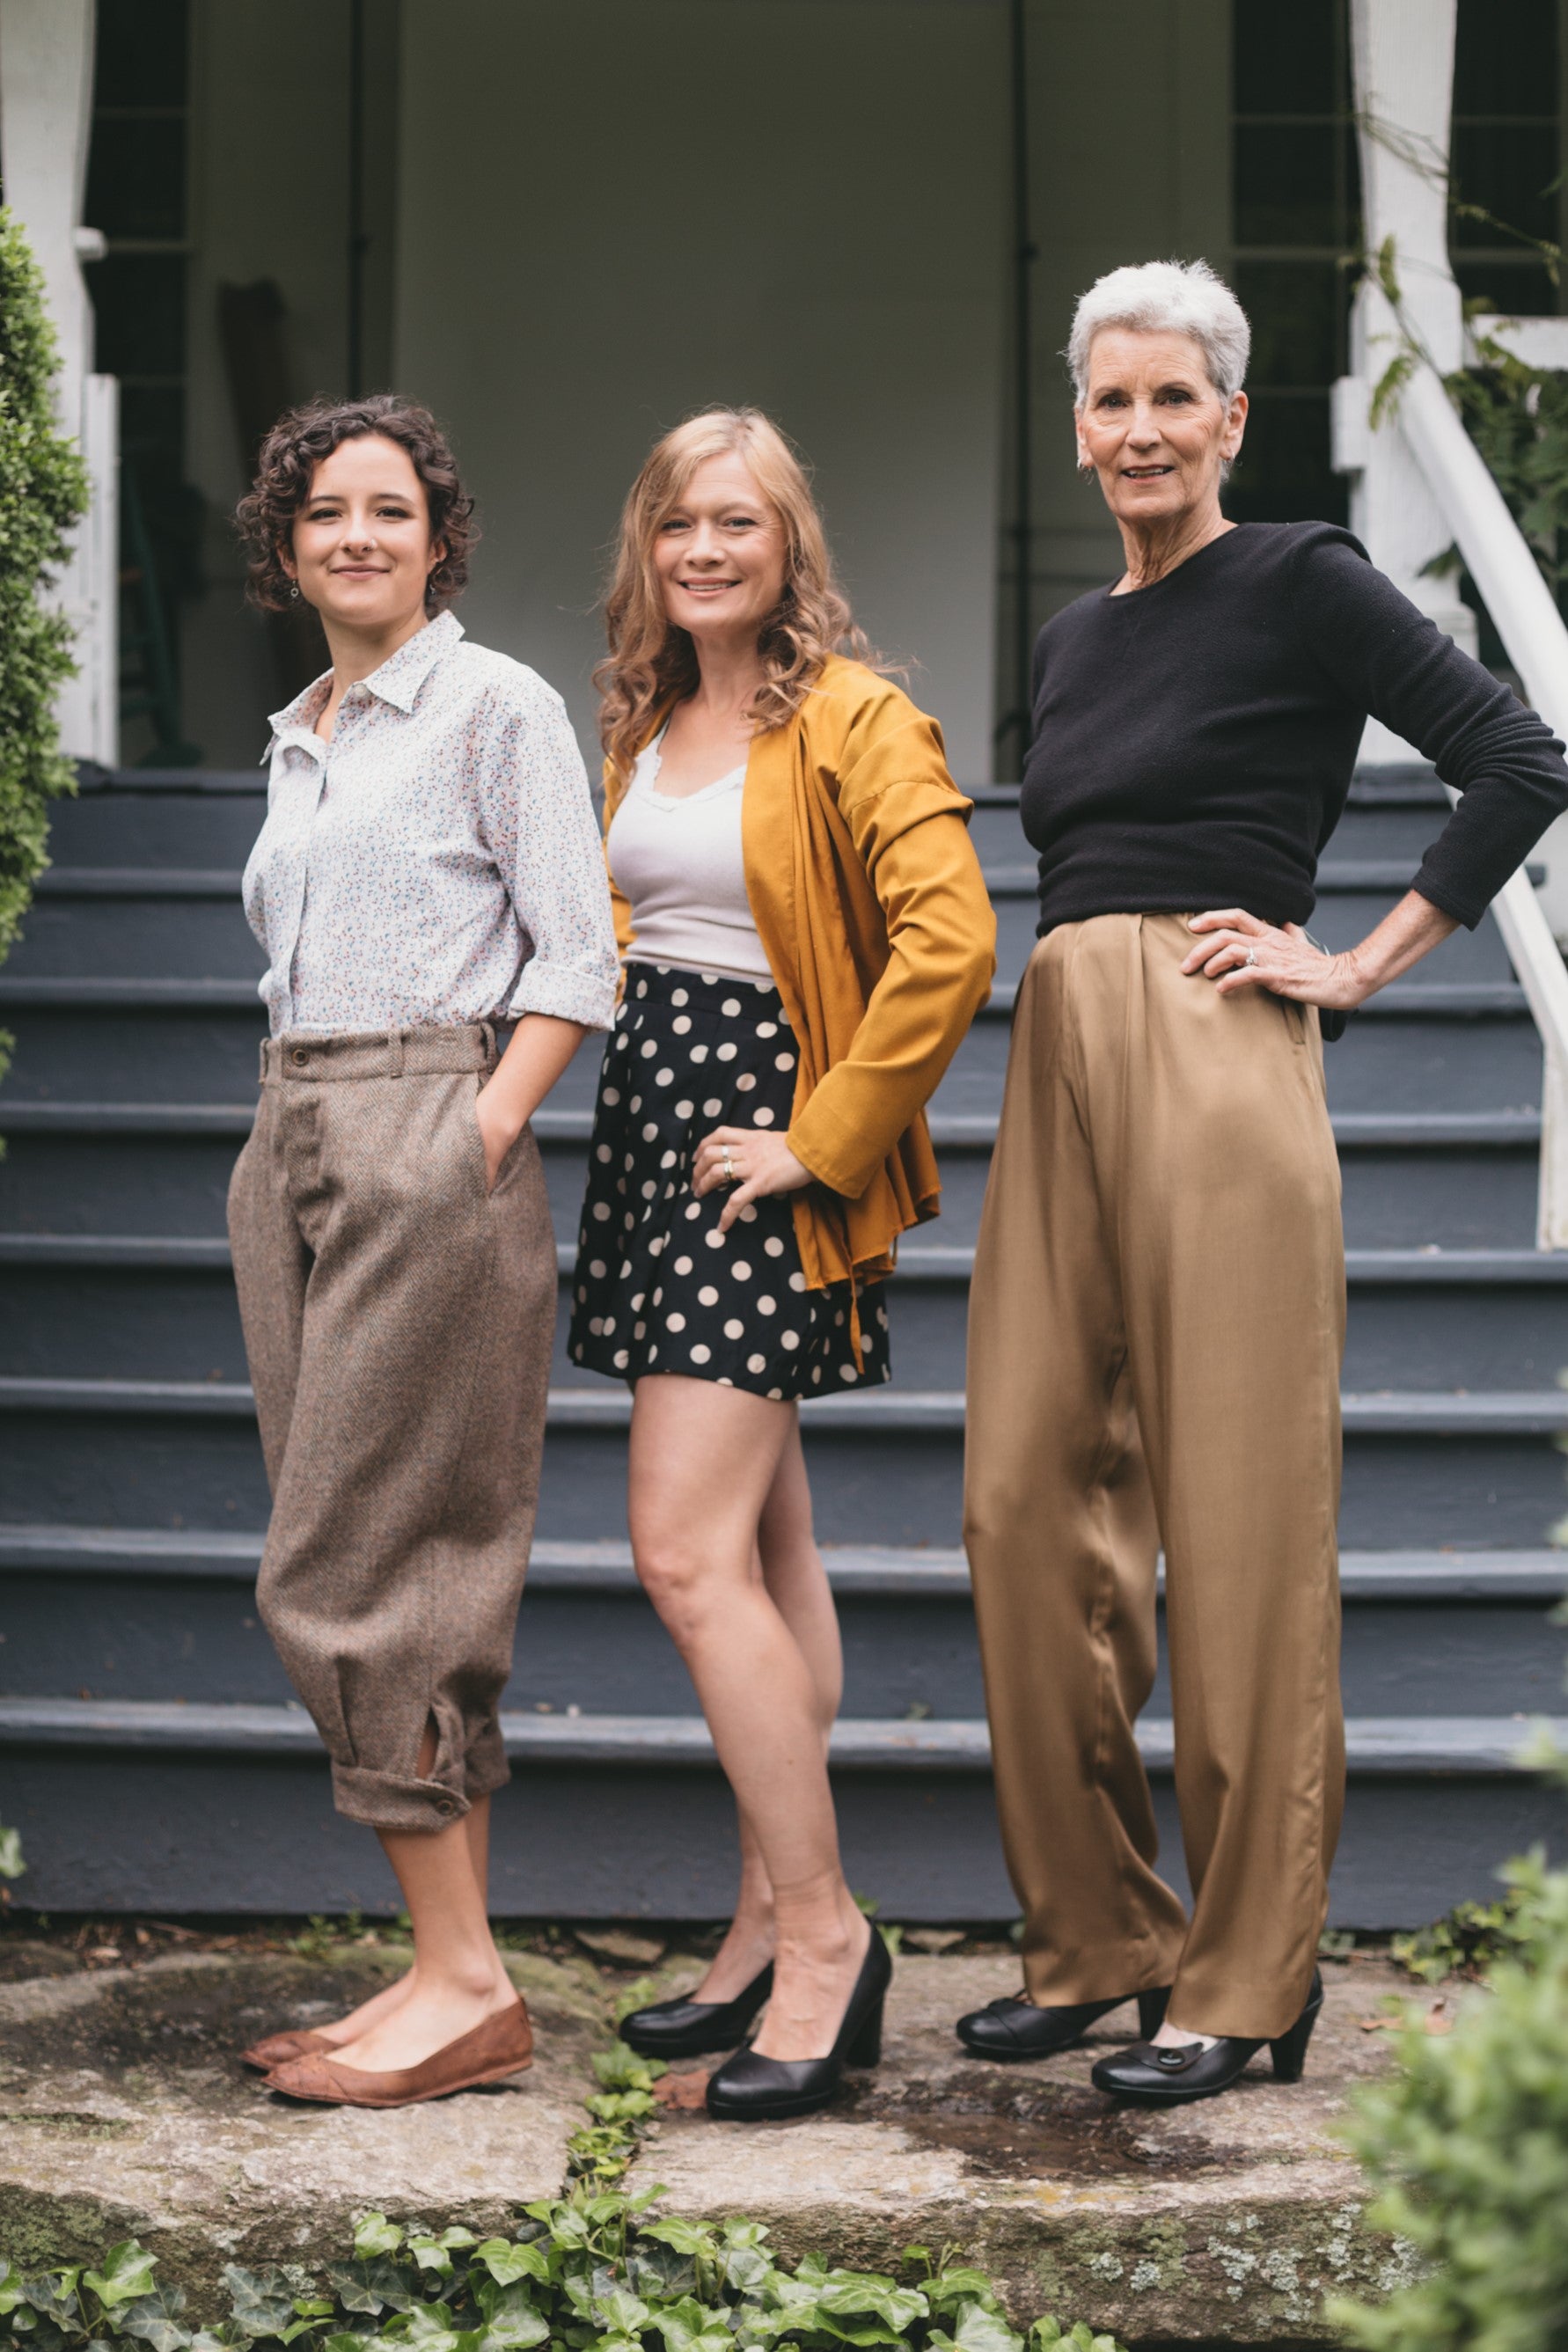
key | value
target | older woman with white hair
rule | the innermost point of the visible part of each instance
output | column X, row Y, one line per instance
column 1157, row 1314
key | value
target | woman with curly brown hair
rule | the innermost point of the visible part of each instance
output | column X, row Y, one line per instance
column 806, row 937
column 429, row 891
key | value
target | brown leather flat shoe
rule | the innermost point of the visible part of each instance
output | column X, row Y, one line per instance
column 277, row 2049
column 502, row 2045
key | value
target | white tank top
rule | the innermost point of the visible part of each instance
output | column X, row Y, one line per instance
column 679, row 862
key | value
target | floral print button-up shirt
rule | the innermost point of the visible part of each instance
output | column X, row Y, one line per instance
column 439, row 860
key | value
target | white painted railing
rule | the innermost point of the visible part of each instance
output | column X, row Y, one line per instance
column 1532, row 629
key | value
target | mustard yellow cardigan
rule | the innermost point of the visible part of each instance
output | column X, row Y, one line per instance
column 874, row 918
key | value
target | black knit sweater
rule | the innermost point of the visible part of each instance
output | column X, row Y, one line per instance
column 1193, row 741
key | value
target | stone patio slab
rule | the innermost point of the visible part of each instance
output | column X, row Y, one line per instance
column 123, row 2113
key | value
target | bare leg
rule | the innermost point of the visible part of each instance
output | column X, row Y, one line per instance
column 457, row 1978
column 791, row 1568
column 346, row 2029
column 703, row 1461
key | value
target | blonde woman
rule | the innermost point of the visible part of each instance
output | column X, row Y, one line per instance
column 806, row 937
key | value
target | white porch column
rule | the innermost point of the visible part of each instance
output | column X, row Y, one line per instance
column 46, row 106
column 1403, row 67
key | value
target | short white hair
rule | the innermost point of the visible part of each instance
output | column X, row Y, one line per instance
column 1165, row 298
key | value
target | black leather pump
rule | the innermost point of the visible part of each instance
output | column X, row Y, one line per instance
column 1168, row 2078
column 751, row 2089
column 1014, row 2028
column 688, row 2029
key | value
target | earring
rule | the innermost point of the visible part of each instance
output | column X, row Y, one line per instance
column 293, row 592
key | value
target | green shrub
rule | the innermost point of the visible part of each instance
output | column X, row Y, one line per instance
column 587, row 2272
column 1467, row 2143
column 43, row 489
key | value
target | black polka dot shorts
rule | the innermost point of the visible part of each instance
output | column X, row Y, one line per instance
column 659, row 1288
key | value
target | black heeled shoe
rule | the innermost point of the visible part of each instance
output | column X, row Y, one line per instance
column 689, row 2029
column 1168, row 2078
column 748, row 2089
column 1014, row 2026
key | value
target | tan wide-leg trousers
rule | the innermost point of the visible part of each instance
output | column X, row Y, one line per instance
column 1155, row 1331
column 398, row 1320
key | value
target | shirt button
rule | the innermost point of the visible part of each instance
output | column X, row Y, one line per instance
column 445, row 1808
column 300, row 1057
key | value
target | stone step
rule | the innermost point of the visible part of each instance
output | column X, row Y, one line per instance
column 1421, row 1470
column 172, row 1617
column 164, row 1308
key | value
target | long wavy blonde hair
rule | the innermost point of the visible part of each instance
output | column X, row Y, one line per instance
column 651, row 661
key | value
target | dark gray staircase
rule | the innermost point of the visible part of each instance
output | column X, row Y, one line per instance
column 151, row 1750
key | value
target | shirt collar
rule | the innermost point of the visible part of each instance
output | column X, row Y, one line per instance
column 397, row 681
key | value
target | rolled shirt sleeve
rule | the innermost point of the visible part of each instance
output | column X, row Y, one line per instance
column 538, row 816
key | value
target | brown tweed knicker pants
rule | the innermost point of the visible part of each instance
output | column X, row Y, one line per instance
column 398, row 1320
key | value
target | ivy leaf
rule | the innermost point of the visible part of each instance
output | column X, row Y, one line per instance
column 373, row 2286
column 154, row 2320
column 374, row 2234
column 10, row 2286
column 263, row 2301
column 976, row 2329
column 125, row 2273
column 693, row 2239
column 506, row 2261
column 513, row 2323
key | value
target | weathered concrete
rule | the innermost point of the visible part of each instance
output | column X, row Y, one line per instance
column 1227, row 2220
column 123, row 2112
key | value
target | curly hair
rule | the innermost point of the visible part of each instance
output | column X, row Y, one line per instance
column 650, row 660
column 286, row 466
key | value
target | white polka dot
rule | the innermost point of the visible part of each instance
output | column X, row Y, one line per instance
column 882, row 1316
column 603, row 1152
column 694, row 1208
column 756, row 1363
column 797, row 1282
column 620, row 1359
column 773, row 1246
column 626, row 1267
column 630, row 1161
column 601, row 1211
column 609, row 1325
column 790, row 1339
column 742, row 1270
column 847, row 1373
column 683, row 1266
column 639, row 1330
column 817, row 1372
column 699, row 1354
column 675, row 1322
column 726, row 1053
column 657, row 1296
column 582, row 1292
column 684, row 1109
column 698, row 1054
column 649, row 1048
column 763, row 1117
column 635, row 1105
column 724, row 1382
column 838, row 1321
column 712, row 1107
column 664, row 1077
column 642, row 988
column 777, row 1395
column 649, row 1189
column 597, row 1269
column 745, row 1082
column 767, row 1028
column 715, row 1239
column 596, row 1324
column 708, row 1296
column 637, row 1298
column 652, row 1354
column 783, row 1061
column 621, row 1043
column 748, row 1215
column 767, row 1305
column 679, row 996
column 610, row 1095
column 682, row 1025
column 668, row 1159
column 734, row 1329
column 729, row 1007
column 649, row 1131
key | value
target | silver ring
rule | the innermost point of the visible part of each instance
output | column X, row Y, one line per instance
column 1250, row 957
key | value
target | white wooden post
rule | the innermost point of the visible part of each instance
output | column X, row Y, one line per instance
column 45, row 112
